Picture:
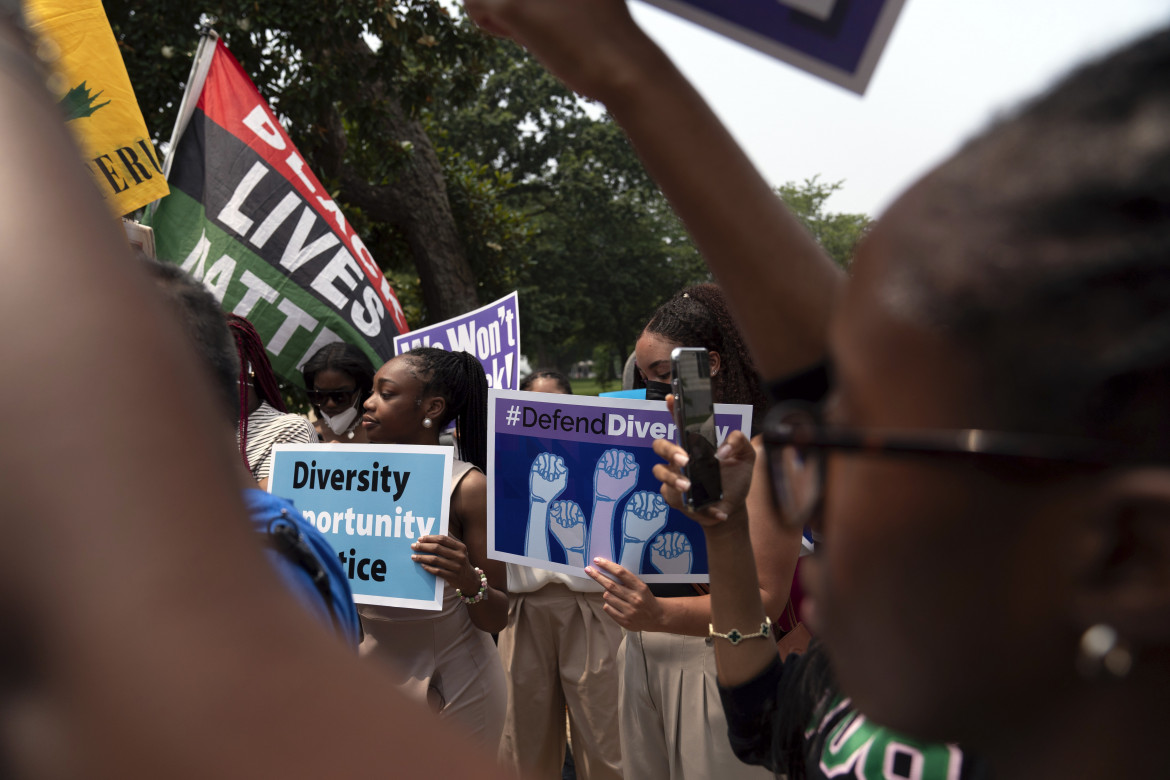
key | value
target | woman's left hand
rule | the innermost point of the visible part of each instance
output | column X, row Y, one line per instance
column 627, row 599
column 446, row 557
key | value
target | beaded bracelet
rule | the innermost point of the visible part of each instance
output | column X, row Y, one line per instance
column 478, row 597
column 735, row 636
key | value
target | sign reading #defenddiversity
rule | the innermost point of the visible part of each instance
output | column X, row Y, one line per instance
column 371, row 502
column 571, row 479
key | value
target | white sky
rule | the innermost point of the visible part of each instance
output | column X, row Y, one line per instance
column 949, row 66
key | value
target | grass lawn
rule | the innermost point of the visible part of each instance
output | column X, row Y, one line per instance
column 593, row 387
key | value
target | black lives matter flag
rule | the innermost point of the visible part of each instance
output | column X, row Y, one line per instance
column 249, row 219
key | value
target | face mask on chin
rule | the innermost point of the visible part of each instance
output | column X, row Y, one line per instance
column 340, row 423
column 657, row 391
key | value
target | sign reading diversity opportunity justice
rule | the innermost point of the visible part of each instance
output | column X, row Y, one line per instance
column 838, row 40
column 371, row 502
column 572, row 479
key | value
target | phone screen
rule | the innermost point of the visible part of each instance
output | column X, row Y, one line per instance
column 695, row 419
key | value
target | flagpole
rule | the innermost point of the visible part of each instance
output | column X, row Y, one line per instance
column 200, row 64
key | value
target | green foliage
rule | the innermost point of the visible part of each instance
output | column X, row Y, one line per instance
column 838, row 234
column 598, row 248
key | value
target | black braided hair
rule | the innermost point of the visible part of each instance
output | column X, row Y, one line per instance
column 459, row 379
column 343, row 357
column 1041, row 250
column 698, row 317
column 547, row 373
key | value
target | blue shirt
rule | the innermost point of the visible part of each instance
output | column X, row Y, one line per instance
column 269, row 515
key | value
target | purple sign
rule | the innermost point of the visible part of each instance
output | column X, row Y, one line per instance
column 838, row 40
column 571, row 478
column 491, row 333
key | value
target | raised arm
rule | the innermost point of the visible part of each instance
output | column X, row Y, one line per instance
column 778, row 281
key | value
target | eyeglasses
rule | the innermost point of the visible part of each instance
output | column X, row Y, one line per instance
column 796, row 440
column 338, row 397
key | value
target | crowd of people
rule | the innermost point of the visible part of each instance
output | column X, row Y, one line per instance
column 972, row 426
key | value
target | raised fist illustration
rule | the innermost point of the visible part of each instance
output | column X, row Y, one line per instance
column 548, row 478
column 645, row 516
column 616, row 475
column 671, row 553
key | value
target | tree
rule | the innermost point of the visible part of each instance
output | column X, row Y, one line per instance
column 837, row 234
column 349, row 80
column 602, row 248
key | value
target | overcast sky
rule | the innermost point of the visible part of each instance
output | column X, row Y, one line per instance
column 950, row 65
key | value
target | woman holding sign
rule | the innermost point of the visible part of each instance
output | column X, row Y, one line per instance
column 446, row 657
column 672, row 723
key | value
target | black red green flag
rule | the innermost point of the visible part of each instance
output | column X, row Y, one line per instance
column 248, row 218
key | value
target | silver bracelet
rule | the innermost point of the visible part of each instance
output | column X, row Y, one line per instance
column 735, row 636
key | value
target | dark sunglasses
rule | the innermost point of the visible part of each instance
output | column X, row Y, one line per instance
column 339, row 397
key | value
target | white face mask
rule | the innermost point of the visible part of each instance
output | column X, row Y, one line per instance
column 340, row 423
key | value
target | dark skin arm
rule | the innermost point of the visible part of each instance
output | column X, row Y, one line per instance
column 779, row 284
column 454, row 560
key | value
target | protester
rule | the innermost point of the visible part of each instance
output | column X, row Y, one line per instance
column 672, row 723
column 559, row 649
column 264, row 420
column 144, row 635
column 338, row 380
column 445, row 657
column 301, row 556
column 1008, row 590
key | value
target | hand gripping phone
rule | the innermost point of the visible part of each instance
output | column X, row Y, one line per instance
column 694, row 419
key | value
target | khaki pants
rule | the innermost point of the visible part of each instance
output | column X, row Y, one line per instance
column 672, row 721
column 559, row 649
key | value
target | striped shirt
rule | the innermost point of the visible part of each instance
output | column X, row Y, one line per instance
column 266, row 427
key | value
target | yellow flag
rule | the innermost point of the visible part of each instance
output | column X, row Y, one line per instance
column 98, row 101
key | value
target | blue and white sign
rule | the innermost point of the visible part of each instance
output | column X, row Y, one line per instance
column 491, row 333
column 571, row 478
column 371, row 501
column 838, row 40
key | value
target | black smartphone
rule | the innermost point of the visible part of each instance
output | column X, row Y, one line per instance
column 694, row 419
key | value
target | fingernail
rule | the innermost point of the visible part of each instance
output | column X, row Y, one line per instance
column 681, row 458
column 599, row 561
column 590, row 570
column 414, row 557
column 414, row 546
column 723, row 451
column 682, row 483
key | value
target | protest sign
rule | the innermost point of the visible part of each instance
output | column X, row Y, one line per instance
column 838, row 40
column 491, row 333
column 571, row 479
column 371, row 502
column 251, row 221
column 98, row 101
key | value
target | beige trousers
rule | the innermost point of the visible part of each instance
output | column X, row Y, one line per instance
column 447, row 662
column 672, row 721
column 560, row 649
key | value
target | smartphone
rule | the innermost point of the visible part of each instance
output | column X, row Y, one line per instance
column 694, row 419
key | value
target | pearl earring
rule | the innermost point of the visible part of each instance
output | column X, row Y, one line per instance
column 427, row 422
column 1103, row 653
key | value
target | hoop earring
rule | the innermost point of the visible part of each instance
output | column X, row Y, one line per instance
column 427, row 422
column 1103, row 653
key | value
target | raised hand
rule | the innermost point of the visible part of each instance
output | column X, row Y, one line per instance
column 615, row 476
column 548, row 477
column 645, row 516
column 671, row 553
column 567, row 522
